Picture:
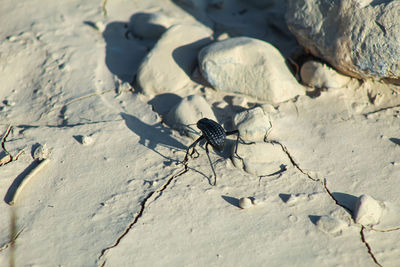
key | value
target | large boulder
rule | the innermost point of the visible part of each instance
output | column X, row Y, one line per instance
column 358, row 38
column 248, row 66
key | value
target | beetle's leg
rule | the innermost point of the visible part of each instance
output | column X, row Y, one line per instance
column 194, row 149
column 237, row 140
column 208, row 155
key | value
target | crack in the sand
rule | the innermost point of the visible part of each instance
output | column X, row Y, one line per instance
column 368, row 246
column 324, row 184
column 157, row 193
column 294, row 163
column 380, row 110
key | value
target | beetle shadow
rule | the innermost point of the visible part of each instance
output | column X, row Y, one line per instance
column 152, row 135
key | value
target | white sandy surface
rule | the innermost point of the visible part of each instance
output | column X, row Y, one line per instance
column 115, row 192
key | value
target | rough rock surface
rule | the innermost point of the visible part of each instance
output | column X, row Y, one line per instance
column 260, row 159
column 368, row 211
column 170, row 63
column 358, row 39
column 248, row 66
column 253, row 124
column 319, row 75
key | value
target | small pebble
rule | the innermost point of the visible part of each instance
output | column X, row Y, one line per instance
column 368, row 211
column 319, row 75
column 245, row 203
column 41, row 152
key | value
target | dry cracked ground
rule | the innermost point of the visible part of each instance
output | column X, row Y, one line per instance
column 115, row 192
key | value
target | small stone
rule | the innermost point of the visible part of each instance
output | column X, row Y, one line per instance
column 245, row 203
column 248, row 66
column 189, row 111
column 253, row 124
column 172, row 60
column 87, row 140
column 330, row 224
column 368, row 211
column 149, row 25
column 319, row 75
column 41, row 152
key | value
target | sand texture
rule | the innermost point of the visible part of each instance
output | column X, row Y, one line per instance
column 99, row 102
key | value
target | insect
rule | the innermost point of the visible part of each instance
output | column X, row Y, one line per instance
column 215, row 136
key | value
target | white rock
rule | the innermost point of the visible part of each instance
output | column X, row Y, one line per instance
column 188, row 111
column 357, row 38
column 41, row 152
column 170, row 63
column 319, row 75
column 245, row 203
column 368, row 211
column 87, row 140
column 149, row 25
column 260, row 158
column 252, row 124
column 330, row 224
column 248, row 66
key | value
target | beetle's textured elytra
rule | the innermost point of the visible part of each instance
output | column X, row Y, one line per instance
column 215, row 136
column 213, row 132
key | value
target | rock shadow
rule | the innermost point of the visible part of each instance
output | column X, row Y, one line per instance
column 314, row 218
column 185, row 56
column 346, row 200
column 8, row 198
column 124, row 52
column 163, row 103
column 284, row 197
column 395, row 140
column 241, row 21
column 231, row 200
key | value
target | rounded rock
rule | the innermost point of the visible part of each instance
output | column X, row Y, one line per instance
column 252, row 124
column 41, row 152
column 319, row 75
column 260, row 159
column 149, row 25
column 368, row 211
column 245, row 203
column 189, row 110
column 358, row 38
column 248, row 66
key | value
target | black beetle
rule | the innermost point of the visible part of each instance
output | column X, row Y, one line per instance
column 215, row 135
